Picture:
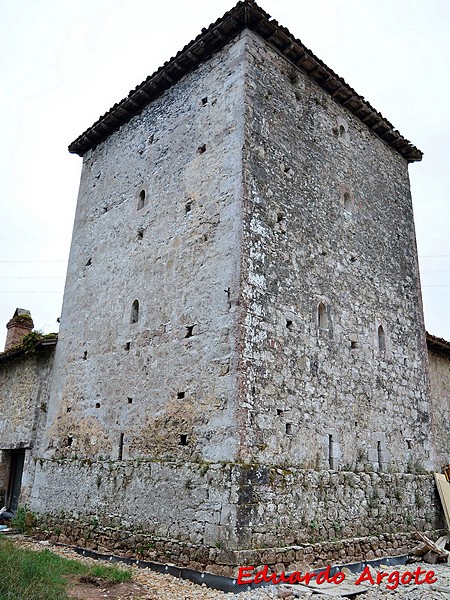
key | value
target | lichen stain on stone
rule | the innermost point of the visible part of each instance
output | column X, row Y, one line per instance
column 160, row 435
column 83, row 431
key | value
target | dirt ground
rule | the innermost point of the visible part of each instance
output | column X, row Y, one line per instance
column 96, row 588
column 149, row 585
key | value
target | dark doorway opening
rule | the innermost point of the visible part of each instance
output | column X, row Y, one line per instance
column 16, row 460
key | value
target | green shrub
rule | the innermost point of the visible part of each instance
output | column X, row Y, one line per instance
column 23, row 520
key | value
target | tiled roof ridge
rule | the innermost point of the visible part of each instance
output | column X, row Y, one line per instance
column 245, row 14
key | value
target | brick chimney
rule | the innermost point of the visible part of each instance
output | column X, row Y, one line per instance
column 18, row 327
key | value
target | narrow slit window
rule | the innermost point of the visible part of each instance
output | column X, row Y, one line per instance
column 341, row 130
column 288, row 428
column 381, row 339
column 141, row 200
column 322, row 316
column 379, row 455
column 121, row 446
column 330, row 452
column 348, row 202
column 183, row 440
column 135, row 312
column 228, row 293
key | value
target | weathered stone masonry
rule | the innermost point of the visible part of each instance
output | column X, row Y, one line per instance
column 241, row 373
column 161, row 389
column 439, row 368
column 25, row 379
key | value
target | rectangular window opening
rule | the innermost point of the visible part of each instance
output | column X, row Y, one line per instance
column 330, row 452
column 121, row 446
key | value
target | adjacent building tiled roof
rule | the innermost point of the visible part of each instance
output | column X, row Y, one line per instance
column 17, row 352
column 438, row 345
column 246, row 14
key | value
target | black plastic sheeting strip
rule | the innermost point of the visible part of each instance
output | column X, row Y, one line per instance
column 219, row 582
column 389, row 561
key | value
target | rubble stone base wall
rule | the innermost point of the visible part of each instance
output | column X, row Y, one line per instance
column 220, row 561
column 298, row 506
column 216, row 517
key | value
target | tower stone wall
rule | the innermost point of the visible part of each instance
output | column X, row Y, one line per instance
column 146, row 362
column 328, row 227
column 241, row 372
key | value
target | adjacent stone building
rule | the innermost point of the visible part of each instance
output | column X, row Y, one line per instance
column 241, row 373
column 25, row 379
column 439, row 369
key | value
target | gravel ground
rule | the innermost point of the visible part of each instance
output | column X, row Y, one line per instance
column 155, row 586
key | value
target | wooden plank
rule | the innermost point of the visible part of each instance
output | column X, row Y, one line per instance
column 443, row 487
column 443, row 541
column 432, row 545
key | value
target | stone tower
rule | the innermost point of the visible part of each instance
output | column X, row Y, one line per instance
column 241, row 365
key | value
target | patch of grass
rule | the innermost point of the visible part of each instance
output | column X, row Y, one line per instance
column 109, row 573
column 30, row 575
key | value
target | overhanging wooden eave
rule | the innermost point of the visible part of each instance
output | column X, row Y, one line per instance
column 246, row 14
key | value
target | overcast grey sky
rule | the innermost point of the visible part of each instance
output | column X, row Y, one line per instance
column 64, row 63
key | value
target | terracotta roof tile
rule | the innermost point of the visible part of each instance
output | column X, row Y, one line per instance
column 246, row 14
